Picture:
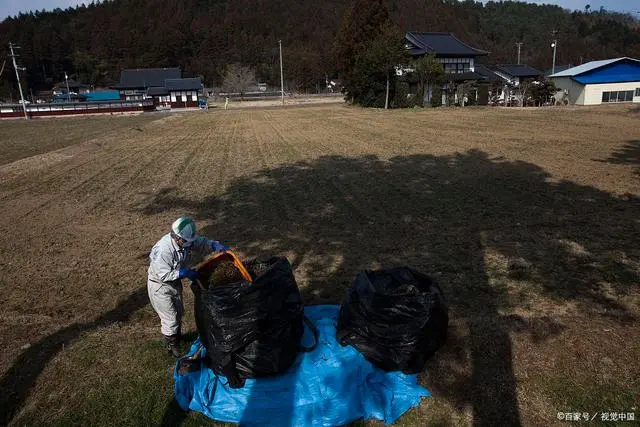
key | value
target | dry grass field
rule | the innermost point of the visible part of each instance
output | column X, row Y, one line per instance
column 529, row 218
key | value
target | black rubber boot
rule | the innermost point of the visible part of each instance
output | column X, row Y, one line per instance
column 172, row 343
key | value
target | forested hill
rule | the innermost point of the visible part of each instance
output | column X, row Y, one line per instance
column 93, row 43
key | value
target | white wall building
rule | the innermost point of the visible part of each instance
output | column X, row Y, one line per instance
column 601, row 82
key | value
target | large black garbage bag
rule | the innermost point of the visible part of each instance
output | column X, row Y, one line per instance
column 254, row 329
column 397, row 318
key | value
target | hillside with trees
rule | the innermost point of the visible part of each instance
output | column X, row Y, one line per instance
column 93, row 42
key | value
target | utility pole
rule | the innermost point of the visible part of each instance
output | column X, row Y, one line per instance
column 15, row 67
column 281, row 75
column 554, row 45
column 519, row 44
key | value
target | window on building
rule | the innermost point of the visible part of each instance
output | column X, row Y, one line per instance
column 618, row 96
column 456, row 65
column 629, row 96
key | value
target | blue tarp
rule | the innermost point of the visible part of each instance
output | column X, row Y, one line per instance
column 332, row 385
column 104, row 95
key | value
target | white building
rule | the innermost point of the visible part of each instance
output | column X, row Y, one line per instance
column 600, row 82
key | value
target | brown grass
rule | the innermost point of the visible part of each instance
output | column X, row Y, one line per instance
column 19, row 139
column 528, row 217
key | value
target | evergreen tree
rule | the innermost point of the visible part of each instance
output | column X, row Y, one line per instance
column 430, row 72
column 365, row 40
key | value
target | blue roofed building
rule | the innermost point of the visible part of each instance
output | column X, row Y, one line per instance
column 601, row 82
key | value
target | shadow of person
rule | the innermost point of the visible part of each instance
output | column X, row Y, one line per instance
column 498, row 234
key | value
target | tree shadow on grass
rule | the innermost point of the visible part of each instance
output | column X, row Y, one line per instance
column 17, row 382
column 629, row 154
column 498, row 234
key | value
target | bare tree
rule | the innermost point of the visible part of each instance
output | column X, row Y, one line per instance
column 238, row 78
column 462, row 90
column 523, row 90
column 452, row 87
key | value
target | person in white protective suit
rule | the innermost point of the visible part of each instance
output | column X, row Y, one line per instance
column 167, row 267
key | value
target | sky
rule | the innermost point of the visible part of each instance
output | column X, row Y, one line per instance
column 617, row 5
column 12, row 7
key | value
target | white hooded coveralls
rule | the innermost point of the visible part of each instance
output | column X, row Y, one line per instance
column 164, row 287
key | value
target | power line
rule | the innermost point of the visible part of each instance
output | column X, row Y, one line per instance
column 16, row 68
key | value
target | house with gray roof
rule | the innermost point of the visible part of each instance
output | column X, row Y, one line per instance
column 455, row 55
column 514, row 74
column 458, row 59
column 165, row 86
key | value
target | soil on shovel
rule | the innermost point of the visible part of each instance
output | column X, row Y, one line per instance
column 226, row 273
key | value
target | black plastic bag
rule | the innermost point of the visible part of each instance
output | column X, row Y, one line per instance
column 397, row 318
column 249, row 329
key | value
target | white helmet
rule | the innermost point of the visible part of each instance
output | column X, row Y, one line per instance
column 185, row 228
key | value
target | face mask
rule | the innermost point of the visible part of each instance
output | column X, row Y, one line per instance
column 180, row 241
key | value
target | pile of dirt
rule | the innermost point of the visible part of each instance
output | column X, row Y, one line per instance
column 226, row 273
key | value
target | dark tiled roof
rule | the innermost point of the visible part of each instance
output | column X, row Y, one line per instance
column 487, row 74
column 518, row 70
column 146, row 77
column 183, row 84
column 157, row 91
column 441, row 44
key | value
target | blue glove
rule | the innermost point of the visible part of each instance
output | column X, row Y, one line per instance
column 219, row 247
column 188, row 273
